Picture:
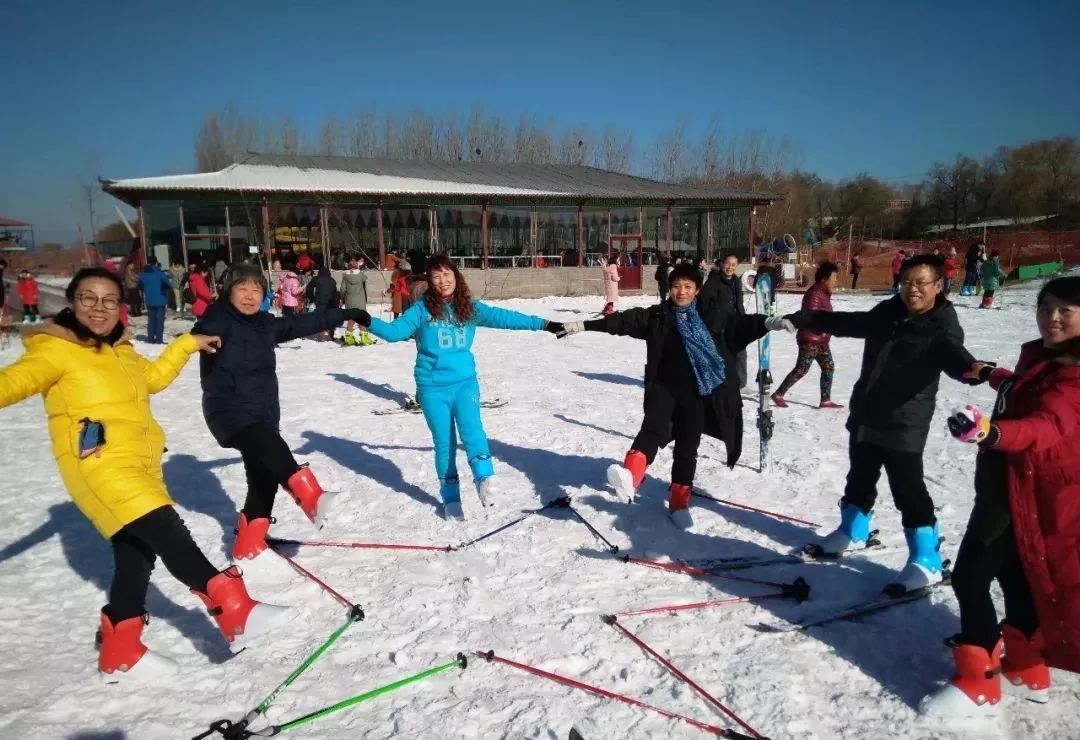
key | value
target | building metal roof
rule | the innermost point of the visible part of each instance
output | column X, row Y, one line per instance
column 12, row 223
column 278, row 176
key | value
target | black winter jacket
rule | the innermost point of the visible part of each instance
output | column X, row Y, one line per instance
column 239, row 381
column 892, row 403
column 723, row 417
column 727, row 293
column 322, row 291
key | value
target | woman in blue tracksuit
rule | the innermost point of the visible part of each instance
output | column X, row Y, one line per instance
column 444, row 323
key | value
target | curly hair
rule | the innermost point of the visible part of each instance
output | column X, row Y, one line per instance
column 461, row 300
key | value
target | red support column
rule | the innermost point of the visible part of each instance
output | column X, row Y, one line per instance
column 268, row 239
column 484, row 238
column 753, row 229
column 379, row 231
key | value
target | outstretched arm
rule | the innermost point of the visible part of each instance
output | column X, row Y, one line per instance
column 502, row 318
column 403, row 327
column 857, row 324
column 953, row 357
column 31, row 374
column 633, row 322
column 161, row 372
column 306, row 324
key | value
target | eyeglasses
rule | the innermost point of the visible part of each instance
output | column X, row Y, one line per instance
column 917, row 284
column 89, row 300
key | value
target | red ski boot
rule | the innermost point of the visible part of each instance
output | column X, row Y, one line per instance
column 122, row 655
column 679, row 505
column 1023, row 664
column 974, row 690
column 308, row 494
column 250, row 537
column 626, row 478
column 778, row 401
column 239, row 617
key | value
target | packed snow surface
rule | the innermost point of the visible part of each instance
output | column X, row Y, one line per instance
column 533, row 593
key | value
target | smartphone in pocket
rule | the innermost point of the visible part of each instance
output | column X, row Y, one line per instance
column 91, row 438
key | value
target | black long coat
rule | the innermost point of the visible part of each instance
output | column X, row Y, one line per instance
column 892, row 402
column 723, row 411
column 239, row 381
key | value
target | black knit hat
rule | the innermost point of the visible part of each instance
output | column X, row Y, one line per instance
column 244, row 272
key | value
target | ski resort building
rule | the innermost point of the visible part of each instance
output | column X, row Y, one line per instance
column 486, row 216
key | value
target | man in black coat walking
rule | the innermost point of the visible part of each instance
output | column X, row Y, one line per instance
column 322, row 294
column 911, row 339
column 725, row 287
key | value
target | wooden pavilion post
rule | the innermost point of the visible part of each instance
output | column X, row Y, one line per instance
column 750, row 238
column 228, row 236
column 324, row 236
column 380, row 237
column 268, row 240
column 581, row 234
column 484, row 238
column 709, row 238
column 667, row 231
column 183, row 236
column 142, row 233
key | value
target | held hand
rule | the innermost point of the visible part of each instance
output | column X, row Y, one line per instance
column 779, row 323
column 561, row 330
column 358, row 315
column 969, row 425
column 979, row 372
column 207, row 344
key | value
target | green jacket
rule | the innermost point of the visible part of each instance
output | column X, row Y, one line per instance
column 992, row 274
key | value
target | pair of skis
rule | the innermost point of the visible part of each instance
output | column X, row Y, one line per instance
column 765, row 297
column 412, row 407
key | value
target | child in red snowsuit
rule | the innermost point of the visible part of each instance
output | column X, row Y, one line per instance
column 1025, row 527
column 28, row 294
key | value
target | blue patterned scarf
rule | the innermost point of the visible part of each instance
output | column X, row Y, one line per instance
column 700, row 348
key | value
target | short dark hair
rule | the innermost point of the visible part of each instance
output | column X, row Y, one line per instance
column 825, row 270
column 685, row 271
column 244, row 272
column 935, row 262
column 1065, row 289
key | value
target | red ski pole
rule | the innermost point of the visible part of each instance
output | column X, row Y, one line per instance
column 701, row 604
column 359, row 545
column 567, row 681
column 314, row 578
column 773, row 514
column 614, row 622
column 799, row 589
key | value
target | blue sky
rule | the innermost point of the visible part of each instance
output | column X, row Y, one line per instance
column 118, row 88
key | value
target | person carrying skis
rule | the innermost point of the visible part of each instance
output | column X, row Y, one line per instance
column 911, row 339
column 240, row 399
column 444, row 326
column 814, row 345
column 27, row 288
column 1025, row 526
column 993, row 276
column 108, row 447
column 689, row 387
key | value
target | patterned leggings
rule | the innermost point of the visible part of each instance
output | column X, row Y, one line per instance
column 807, row 354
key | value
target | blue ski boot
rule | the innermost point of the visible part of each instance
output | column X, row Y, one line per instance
column 450, row 490
column 924, row 566
column 852, row 534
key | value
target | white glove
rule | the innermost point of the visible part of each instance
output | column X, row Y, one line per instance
column 779, row 323
column 572, row 327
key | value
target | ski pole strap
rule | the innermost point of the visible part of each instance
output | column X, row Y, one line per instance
column 611, row 620
column 358, row 545
column 773, row 514
column 596, row 533
column 460, row 661
column 596, row 690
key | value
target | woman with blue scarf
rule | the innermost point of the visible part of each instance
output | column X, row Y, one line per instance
column 690, row 384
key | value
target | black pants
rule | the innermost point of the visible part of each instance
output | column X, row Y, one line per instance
column 135, row 549
column 663, row 409
column 978, row 564
column 905, row 472
column 134, row 301
column 854, row 280
column 740, row 368
column 268, row 462
column 29, row 310
column 288, row 310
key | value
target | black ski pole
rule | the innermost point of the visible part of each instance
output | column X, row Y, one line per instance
column 596, row 533
column 563, row 502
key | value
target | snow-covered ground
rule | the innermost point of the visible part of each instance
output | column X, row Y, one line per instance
column 533, row 593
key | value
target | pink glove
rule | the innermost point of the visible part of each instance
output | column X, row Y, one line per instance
column 969, row 425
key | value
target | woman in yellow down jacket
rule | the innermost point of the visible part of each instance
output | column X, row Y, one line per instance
column 108, row 447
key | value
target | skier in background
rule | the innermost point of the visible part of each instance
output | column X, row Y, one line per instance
column 814, row 345
column 910, row 340
column 1024, row 527
column 897, row 269
column 444, row 326
column 246, row 415
column 108, row 448
column 993, row 276
column 689, row 387
column 27, row 288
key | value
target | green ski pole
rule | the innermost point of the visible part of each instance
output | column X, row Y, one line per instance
column 460, row 661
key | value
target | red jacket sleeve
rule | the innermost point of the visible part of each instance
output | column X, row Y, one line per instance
column 1056, row 418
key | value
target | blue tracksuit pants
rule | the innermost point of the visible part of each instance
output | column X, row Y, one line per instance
column 450, row 410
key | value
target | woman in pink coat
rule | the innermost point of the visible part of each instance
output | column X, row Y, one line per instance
column 289, row 292
column 610, row 271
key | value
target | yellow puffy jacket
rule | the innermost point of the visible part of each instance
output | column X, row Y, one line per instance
column 110, row 385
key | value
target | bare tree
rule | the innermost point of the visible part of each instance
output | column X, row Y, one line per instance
column 418, row 137
column 486, row 137
column 574, row 146
column 615, row 151
column 954, row 186
column 532, row 142
column 670, row 154
column 331, row 138
column 363, row 139
column 223, row 137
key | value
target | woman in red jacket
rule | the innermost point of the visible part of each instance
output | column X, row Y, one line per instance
column 200, row 288
column 949, row 273
column 1025, row 527
column 28, row 294
column 814, row 345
